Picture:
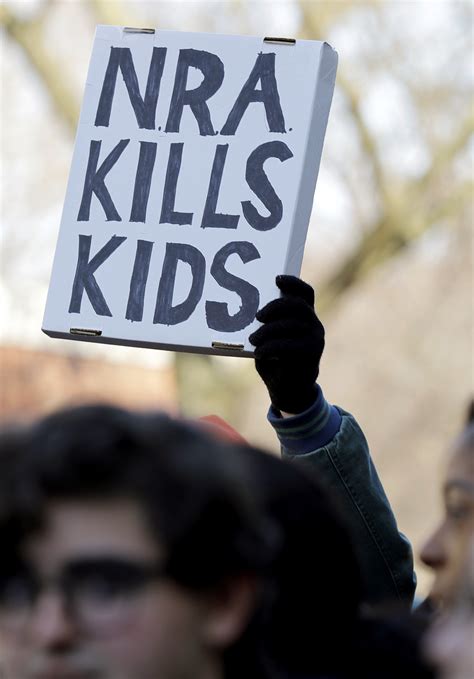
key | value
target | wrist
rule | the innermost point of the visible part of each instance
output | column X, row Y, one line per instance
column 296, row 401
column 307, row 431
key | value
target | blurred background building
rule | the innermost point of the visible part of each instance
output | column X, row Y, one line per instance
column 389, row 247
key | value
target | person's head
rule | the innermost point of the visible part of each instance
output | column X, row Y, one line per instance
column 445, row 550
column 131, row 548
column 316, row 582
column 316, row 577
column 449, row 643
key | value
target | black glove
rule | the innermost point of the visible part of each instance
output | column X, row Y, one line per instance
column 289, row 345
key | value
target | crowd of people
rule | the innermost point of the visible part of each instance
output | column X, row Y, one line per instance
column 143, row 546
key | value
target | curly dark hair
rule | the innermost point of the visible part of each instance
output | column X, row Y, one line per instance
column 191, row 487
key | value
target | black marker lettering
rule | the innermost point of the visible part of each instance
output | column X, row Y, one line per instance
column 217, row 314
column 165, row 312
column 263, row 70
column 168, row 213
column 145, row 108
column 138, row 281
column 213, row 71
column 210, row 218
column 84, row 278
column 94, row 182
column 258, row 182
column 141, row 192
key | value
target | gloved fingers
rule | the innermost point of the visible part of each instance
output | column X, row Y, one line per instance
column 290, row 351
column 280, row 330
column 295, row 287
column 285, row 308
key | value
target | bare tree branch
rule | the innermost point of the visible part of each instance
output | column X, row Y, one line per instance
column 406, row 209
column 28, row 35
column 367, row 140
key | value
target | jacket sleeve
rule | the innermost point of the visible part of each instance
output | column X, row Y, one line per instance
column 329, row 441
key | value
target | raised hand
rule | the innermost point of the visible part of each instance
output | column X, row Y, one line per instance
column 289, row 345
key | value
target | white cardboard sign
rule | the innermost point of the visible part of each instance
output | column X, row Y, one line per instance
column 190, row 189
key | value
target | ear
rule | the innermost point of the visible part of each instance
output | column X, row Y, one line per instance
column 229, row 608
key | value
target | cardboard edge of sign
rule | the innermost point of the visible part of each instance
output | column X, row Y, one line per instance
column 217, row 348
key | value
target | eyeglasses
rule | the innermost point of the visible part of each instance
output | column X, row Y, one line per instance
column 99, row 593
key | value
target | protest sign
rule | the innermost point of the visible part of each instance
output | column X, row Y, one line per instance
column 190, row 189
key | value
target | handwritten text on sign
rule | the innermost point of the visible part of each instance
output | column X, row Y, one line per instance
column 260, row 87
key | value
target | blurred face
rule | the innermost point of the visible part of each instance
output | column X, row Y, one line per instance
column 446, row 549
column 87, row 602
column 449, row 643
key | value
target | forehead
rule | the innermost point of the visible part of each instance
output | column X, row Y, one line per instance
column 77, row 529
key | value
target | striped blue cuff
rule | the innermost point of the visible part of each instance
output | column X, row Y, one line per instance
column 309, row 430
